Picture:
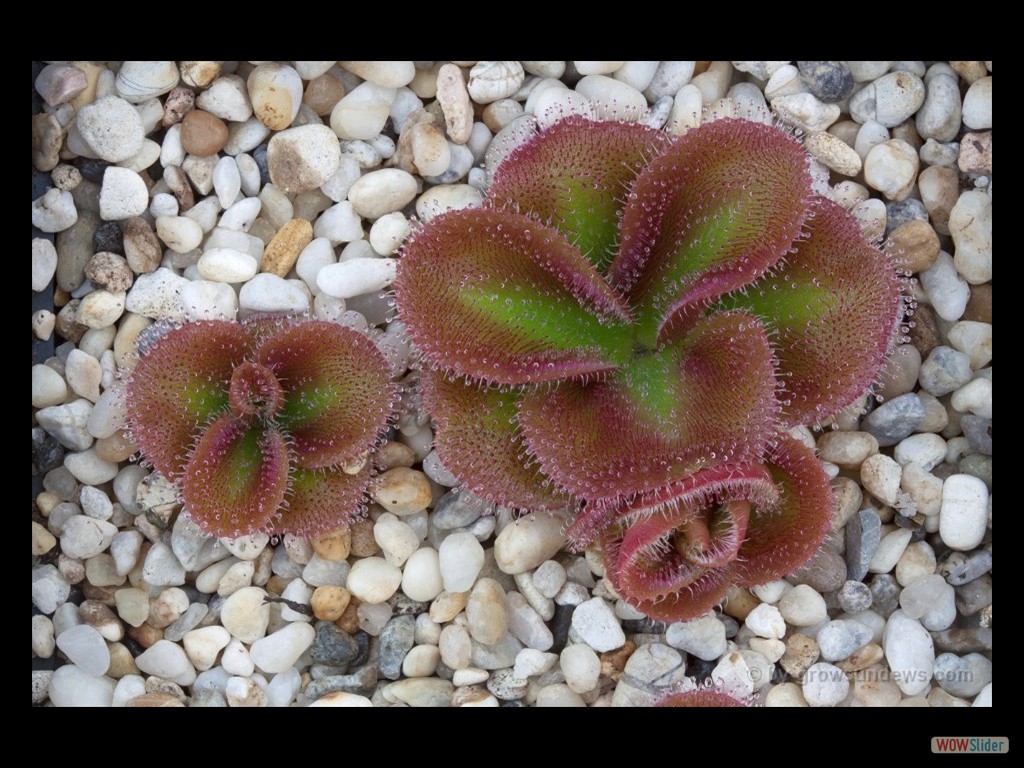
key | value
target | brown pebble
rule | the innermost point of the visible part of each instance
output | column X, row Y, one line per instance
column 862, row 658
column 976, row 153
column 322, row 93
column 67, row 326
column 276, row 584
column 924, row 331
column 121, row 661
column 203, row 134
column 66, row 177
column 907, row 131
column 334, row 546
column 826, row 571
column 117, row 447
column 739, row 602
column 101, row 618
column 349, row 621
column 940, row 189
column 47, row 137
column 969, row 70
column 179, row 184
column 329, row 602
column 283, row 251
column 979, row 306
column 103, row 595
column 141, row 245
column 154, row 700
column 614, row 662
column 363, row 542
column 109, row 270
column 469, row 694
column 58, row 83
column 199, row 74
column 161, row 685
column 180, row 101
column 801, row 652
column 915, row 246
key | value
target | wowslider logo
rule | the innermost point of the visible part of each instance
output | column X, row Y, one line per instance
column 970, row 744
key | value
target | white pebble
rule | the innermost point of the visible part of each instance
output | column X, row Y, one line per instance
column 86, row 648
column 970, row 224
column 226, row 265
column 277, row 652
column 356, row 277
column 528, row 542
column 54, row 211
column 945, row 288
column 373, row 580
column 167, row 660
column 802, row 606
column 380, row 192
column 461, row 559
column 595, row 623
column 766, row 621
column 891, row 168
column 74, row 687
column 90, row 469
column 269, row 293
column 963, row 517
column 910, row 652
column 825, row 685
column 44, row 263
column 581, row 667
column 977, row 109
column 881, row 476
column 362, row 112
column 339, row 224
column 421, row 578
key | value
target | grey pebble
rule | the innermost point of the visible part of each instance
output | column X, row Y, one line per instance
column 899, row 213
column 895, row 419
column 974, row 595
column 961, row 568
column 854, row 596
column 944, row 370
column 978, row 465
column 978, row 431
column 825, row 572
column 188, row 621
column 362, row 681
column 506, row 686
column 963, row 675
column 457, row 509
column 108, row 237
column 863, row 534
column 829, row 81
column 396, row 639
column 838, row 639
column 963, row 640
column 332, row 646
column 47, row 452
column 207, row 697
column 885, row 594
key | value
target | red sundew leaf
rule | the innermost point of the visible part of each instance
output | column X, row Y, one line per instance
column 180, row 385
column 672, row 552
column 480, row 442
column 708, row 216
column 499, row 297
column 575, row 177
column 337, row 390
column 833, row 307
column 680, row 602
column 236, row 477
column 781, row 537
column 320, row 500
column 700, row 698
column 708, row 398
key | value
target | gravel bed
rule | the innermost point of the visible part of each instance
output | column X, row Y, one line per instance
column 152, row 203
